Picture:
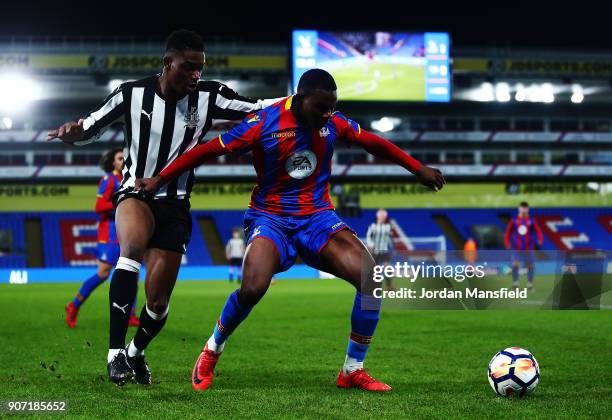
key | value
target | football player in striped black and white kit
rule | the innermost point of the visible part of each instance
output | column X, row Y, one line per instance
column 380, row 241
column 163, row 116
column 234, row 253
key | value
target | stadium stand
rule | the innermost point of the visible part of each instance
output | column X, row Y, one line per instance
column 474, row 136
column 69, row 237
column 12, row 240
column 69, row 240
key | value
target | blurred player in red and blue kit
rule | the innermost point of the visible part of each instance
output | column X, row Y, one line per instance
column 291, row 212
column 522, row 233
column 108, row 246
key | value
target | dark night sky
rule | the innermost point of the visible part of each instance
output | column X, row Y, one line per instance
column 498, row 24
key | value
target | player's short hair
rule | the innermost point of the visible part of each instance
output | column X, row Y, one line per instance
column 316, row 79
column 184, row 40
column 523, row 204
column 107, row 159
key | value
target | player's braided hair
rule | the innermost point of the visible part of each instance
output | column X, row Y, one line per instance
column 316, row 79
column 183, row 40
column 107, row 159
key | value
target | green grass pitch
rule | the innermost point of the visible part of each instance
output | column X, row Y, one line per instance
column 381, row 81
column 282, row 362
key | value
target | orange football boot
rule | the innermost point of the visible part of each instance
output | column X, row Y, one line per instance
column 204, row 369
column 71, row 314
column 360, row 379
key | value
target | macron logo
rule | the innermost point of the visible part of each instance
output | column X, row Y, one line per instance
column 283, row 134
column 256, row 232
column 337, row 225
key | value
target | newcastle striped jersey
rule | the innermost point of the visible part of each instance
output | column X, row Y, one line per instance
column 235, row 248
column 157, row 130
column 379, row 237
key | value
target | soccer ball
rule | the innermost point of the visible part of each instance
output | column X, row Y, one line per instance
column 513, row 371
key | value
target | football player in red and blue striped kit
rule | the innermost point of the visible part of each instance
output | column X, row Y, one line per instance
column 522, row 233
column 291, row 212
column 108, row 246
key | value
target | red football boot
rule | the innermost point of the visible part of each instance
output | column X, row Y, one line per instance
column 360, row 379
column 134, row 321
column 204, row 369
column 71, row 314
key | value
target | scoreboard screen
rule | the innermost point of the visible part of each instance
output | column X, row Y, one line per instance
column 377, row 66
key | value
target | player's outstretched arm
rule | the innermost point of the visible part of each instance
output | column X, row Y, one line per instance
column 90, row 128
column 68, row 133
column 264, row 103
column 229, row 105
column 190, row 160
column 384, row 149
column 430, row 177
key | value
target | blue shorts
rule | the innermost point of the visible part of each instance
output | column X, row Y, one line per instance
column 525, row 258
column 108, row 252
column 293, row 235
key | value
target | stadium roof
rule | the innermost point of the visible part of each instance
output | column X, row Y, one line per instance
column 516, row 24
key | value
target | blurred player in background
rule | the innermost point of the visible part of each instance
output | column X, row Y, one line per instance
column 108, row 245
column 380, row 242
column 163, row 115
column 521, row 235
column 291, row 212
column 470, row 251
column 234, row 252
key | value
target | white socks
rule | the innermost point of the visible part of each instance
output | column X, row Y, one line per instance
column 128, row 264
column 156, row 316
column 351, row 364
column 112, row 353
column 132, row 351
column 212, row 345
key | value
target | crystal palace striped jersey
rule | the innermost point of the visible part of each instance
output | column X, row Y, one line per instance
column 522, row 233
column 293, row 163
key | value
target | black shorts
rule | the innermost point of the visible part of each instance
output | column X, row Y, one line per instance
column 172, row 221
column 382, row 257
column 236, row 262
